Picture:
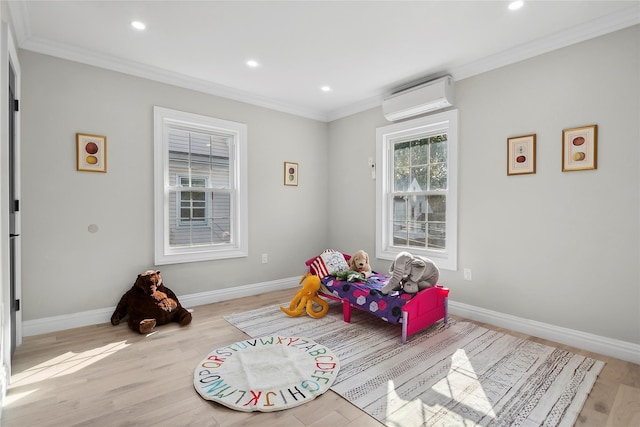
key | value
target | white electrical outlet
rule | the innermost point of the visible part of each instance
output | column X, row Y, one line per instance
column 467, row 274
column 265, row 258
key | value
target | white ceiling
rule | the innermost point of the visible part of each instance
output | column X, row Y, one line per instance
column 362, row 49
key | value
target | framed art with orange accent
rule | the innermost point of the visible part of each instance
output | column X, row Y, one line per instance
column 91, row 153
column 580, row 148
column 290, row 173
column 521, row 155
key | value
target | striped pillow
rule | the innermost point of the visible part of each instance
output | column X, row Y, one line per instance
column 328, row 262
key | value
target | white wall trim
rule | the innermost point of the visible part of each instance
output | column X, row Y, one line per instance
column 103, row 315
column 607, row 346
column 605, row 25
column 26, row 40
column 595, row 343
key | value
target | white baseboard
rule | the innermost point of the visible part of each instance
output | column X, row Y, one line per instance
column 103, row 315
column 595, row 343
column 598, row 344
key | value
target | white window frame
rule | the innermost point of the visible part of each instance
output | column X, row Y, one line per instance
column 446, row 121
column 238, row 246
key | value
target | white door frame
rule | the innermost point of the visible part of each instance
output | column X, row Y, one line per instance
column 8, row 55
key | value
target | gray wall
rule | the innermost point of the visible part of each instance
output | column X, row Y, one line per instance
column 557, row 247
column 69, row 270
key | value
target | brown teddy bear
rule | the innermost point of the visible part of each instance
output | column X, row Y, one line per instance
column 149, row 303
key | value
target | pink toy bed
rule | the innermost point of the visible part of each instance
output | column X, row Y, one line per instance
column 414, row 311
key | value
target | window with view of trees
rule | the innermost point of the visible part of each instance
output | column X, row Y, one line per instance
column 200, row 187
column 417, row 187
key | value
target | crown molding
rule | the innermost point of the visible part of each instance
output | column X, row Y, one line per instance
column 608, row 24
column 19, row 20
column 351, row 109
column 164, row 76
column 19, row 16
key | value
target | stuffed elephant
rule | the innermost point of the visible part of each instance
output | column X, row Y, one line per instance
column 411, row 273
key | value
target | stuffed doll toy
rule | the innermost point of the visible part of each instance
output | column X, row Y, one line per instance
column 360, row 262
column 149, row 303
column 304, row 299
column 411, row 273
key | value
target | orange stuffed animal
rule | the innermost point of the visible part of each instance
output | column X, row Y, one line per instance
column 305, row 298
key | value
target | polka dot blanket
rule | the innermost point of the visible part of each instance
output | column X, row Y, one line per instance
column 368, row 296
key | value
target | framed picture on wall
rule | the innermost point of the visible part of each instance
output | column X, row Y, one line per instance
column 580, row 148
column 91, row 153
column 521, row 155
column 290, row 173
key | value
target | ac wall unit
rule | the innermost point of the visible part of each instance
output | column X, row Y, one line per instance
column 431, row 96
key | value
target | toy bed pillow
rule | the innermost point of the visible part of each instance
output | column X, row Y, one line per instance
column 328, row 262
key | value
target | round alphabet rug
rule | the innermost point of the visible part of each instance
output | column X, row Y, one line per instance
column 266, row 374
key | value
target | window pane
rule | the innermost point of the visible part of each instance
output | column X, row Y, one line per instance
column 439, row 148
column 437, row 208
column 420, row 152
column 436, row 217
column 178, row 156
column 401, row 179
column 420, row 164
column 401, row 154
column 410, row 215
column 195, row 226
column 220, row 175
column 437, row 235
column 220, row 146
column 201, row 154
column 400, row 233
column 419, row 178
column 416, row 234
column 221, row 217
column 438, row 176
column 198, row 214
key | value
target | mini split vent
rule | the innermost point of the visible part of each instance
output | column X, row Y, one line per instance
column 427, row 97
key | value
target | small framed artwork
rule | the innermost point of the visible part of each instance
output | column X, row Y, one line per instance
column 521, row 155
column 91, row 153
column 290, row 173
column 580, row 148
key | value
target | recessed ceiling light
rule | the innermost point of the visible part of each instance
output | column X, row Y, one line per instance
column 326, row 88
column 138, row 25
column 515, row 5
column 252, row 63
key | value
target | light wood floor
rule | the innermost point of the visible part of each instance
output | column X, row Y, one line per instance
column 107, row 375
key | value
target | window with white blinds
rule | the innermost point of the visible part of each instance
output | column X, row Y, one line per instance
column 201, row 194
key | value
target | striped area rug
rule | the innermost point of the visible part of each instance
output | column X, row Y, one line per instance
column 458, row 374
